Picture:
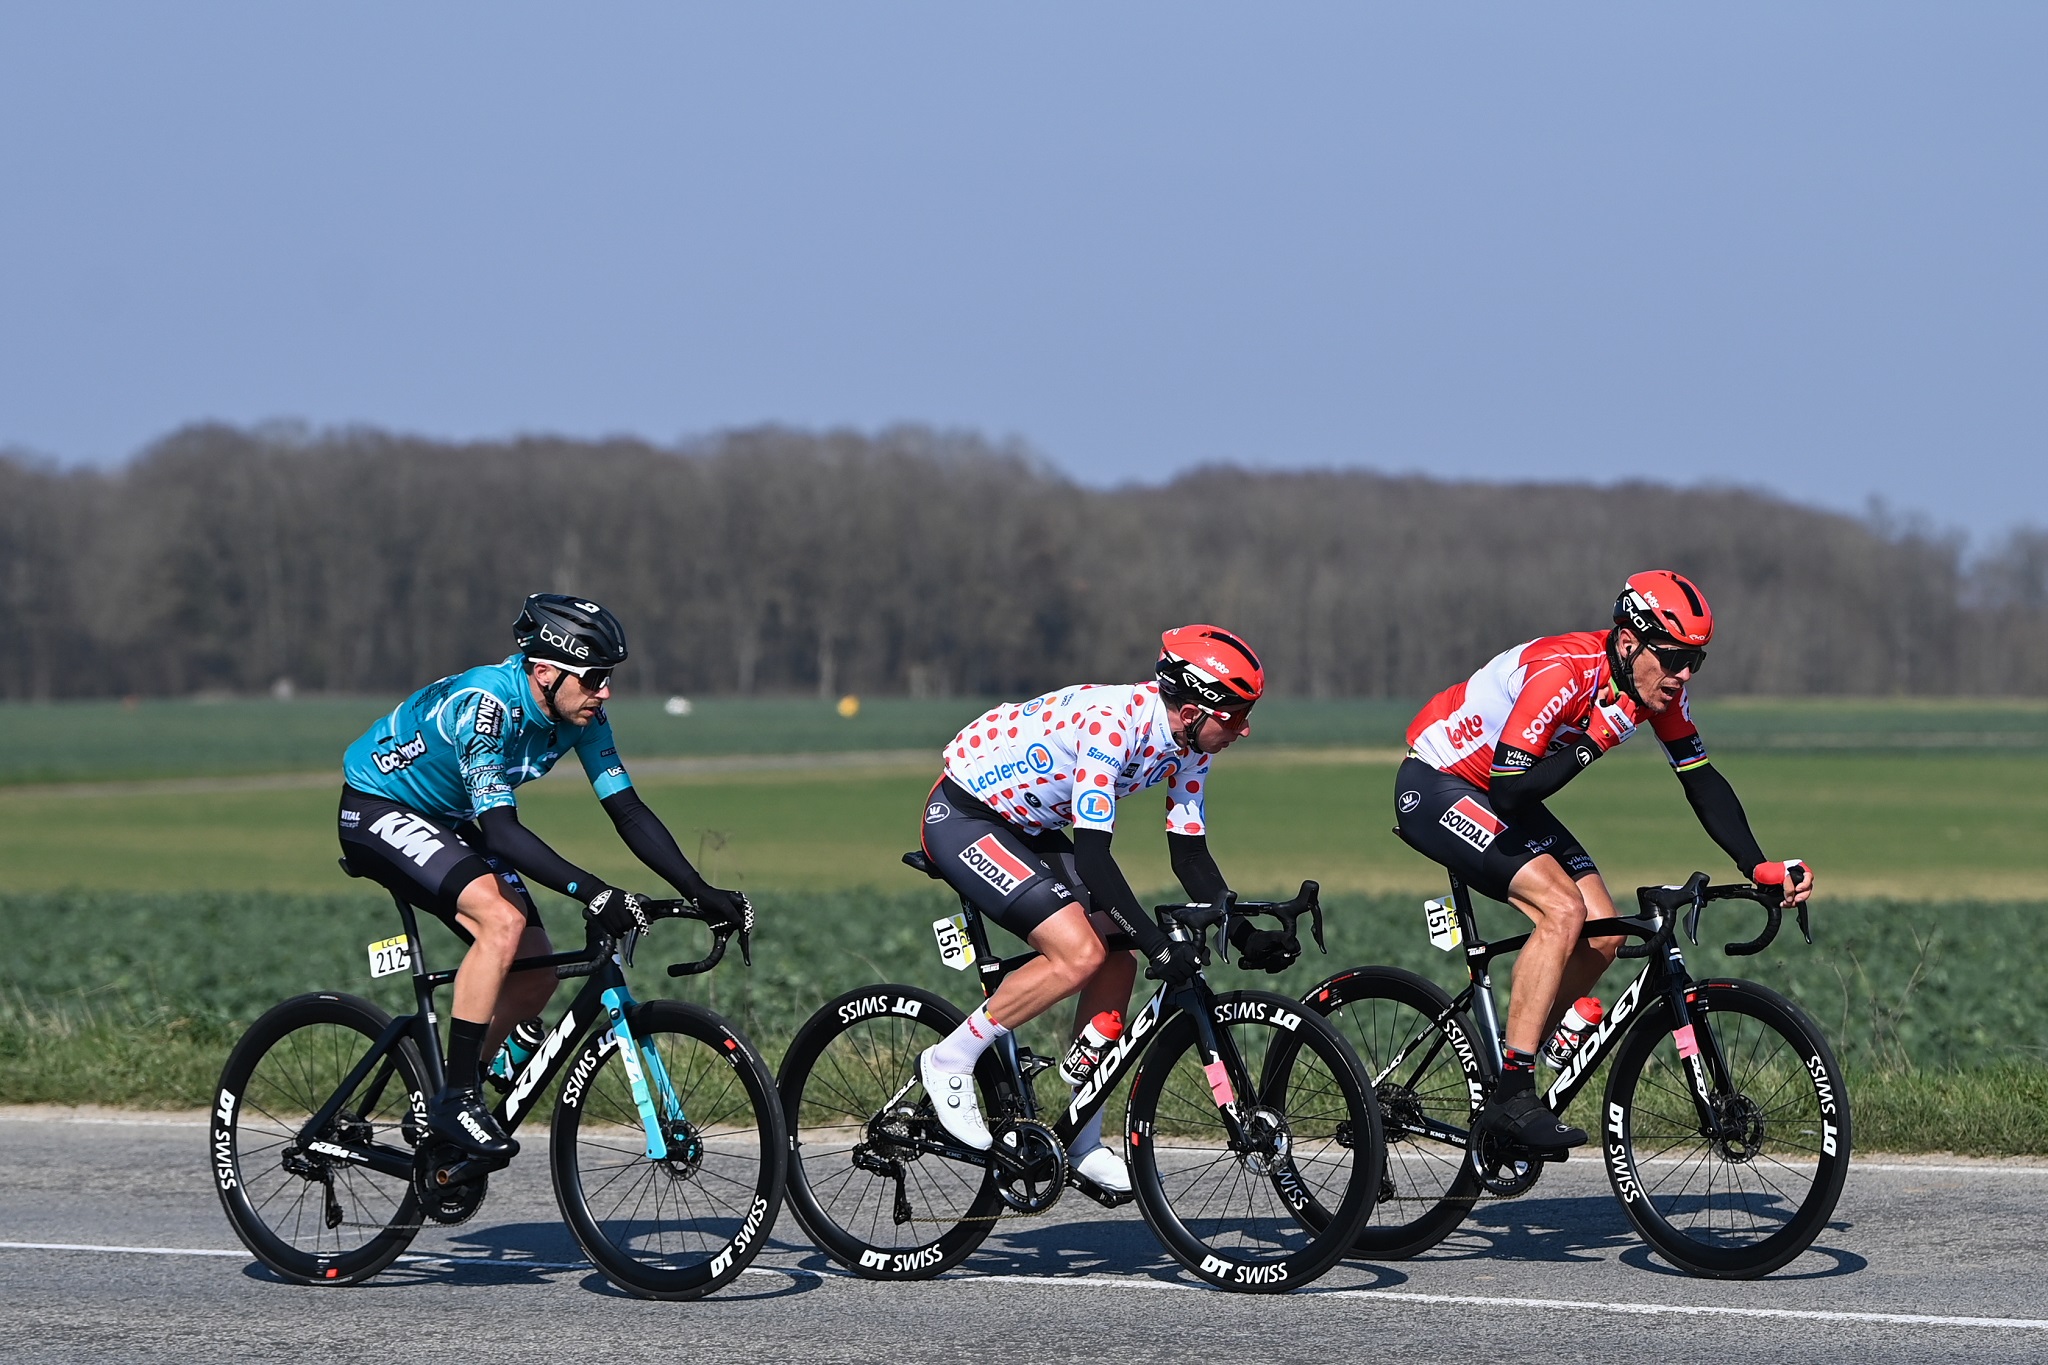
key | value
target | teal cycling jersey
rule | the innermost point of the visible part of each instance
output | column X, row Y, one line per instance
column 456, row 748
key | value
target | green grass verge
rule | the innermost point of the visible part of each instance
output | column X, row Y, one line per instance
column 135, row 1000
column 107, row 741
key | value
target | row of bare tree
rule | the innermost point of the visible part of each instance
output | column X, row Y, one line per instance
column 930, row 563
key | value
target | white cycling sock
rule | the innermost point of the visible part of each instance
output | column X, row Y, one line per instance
column 1090, row 1136
column 962, row 1048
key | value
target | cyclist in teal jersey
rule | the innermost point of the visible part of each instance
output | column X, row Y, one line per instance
column 427, row 810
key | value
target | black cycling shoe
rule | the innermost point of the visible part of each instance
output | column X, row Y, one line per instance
column 459, row 1118
column 1522, row 1117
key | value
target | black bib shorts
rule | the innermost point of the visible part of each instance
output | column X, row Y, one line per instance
column 425, row 860
column 1016, row 878
column 1450, row 820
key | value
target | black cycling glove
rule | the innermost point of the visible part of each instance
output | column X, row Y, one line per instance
column 1267, row 950
column 1176, row 963
column 617, row 912
column 725, row 909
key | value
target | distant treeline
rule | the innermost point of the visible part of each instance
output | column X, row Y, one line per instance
column 931, row 563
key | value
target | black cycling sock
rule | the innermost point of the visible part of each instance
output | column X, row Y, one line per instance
column 465, row 1052
column 1517, row 1071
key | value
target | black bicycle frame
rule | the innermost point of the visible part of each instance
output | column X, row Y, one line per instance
column 1197, row 999
column 1664, row 979
column 604, row 1000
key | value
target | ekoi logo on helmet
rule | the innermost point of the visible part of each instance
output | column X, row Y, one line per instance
column 1660, row 604
column 1210, row 667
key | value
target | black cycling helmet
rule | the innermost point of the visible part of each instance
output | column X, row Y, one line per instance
column 569, row 632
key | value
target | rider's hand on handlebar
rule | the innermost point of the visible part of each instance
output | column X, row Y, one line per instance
column 1793, row 878
column 1176, row 964
column 724, row 909
column 1267, row 950
column 618, row 912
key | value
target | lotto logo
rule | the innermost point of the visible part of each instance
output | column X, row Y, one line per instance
column 1465, row 731
column 1473, row 823
column 987, row 859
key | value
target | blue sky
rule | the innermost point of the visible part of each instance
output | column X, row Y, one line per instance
column 1798, row 247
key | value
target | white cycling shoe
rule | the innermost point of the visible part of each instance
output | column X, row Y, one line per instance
column 953, row 1100
column 1105, row 1168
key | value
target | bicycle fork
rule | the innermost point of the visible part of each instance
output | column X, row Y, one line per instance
column 641, row 1067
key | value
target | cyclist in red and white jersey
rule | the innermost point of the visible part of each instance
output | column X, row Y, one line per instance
column 1484, row 755
column 993, row 827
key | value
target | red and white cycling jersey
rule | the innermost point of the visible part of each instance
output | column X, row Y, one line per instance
column 1070, row 755
column 1537, row 697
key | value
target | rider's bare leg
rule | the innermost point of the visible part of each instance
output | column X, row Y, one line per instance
column 524, row 994
column 1546, row 893
column 1072, row 956
column 1591, row 958
column 497, row 926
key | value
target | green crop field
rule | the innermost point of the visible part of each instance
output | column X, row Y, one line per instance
column 167, row 869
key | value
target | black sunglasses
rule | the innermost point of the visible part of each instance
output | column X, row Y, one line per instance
column 1678, row 658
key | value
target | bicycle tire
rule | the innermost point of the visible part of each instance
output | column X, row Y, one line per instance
column 844, row 1065
column 1427, row 1079
column 315, row 1217
column 1238, row 1217
column 1721, row 1210
column 688, row 1224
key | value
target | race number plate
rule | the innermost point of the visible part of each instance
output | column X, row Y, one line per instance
column 954, row 949
column 1443, row 925
column 390, row 956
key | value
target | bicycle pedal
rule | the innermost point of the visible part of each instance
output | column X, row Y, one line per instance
column 1109, row 1199
column 1031, row 1063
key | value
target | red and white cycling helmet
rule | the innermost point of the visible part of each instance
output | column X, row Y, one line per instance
column 1212, row 668
column 1660, row 605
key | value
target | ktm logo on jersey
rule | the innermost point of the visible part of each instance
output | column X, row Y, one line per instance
column 1466, row 731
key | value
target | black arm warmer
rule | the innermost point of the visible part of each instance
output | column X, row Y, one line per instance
column 1714, row 802
column 506, row 838
column 1112, row 894
column 652, row 844
column 1199, row 876
column 1539, row 779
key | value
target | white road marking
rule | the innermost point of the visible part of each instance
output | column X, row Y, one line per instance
column 1581, row 1305
column 1169, row 1286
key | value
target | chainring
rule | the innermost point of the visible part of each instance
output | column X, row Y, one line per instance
column 1503, row 1169
column 1030, row 1165
column 446, row 1204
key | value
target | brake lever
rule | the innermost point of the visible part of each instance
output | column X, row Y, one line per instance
column 1805, row 924
column 746, row 931
column 1312, row 892
column 1223, row 929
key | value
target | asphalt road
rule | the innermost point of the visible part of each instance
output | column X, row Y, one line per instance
column 113, row 1248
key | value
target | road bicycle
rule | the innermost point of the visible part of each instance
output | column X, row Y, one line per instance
column 1253, row 1139
column 1725, row 1127
column 665, row 1146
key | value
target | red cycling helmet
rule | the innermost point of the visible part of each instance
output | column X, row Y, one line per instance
column 1660, row 605
column 1212, row 668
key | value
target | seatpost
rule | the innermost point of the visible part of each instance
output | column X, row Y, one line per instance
column 1482, row 980
column 423, row 993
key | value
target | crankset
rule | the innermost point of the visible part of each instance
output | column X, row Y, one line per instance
column 1504, row 1169
column 1030, row 1165
column 450, row 1185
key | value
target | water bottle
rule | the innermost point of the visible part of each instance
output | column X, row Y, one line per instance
column 1583, row 1014
column 1085, row 1053
column 519, row 1045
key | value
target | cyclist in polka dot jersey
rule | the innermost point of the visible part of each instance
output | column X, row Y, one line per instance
column 993, row 828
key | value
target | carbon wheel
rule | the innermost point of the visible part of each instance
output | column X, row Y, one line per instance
column 1418, row 1052
column 862, row 1178
column 1739, row 1197
column 333, row 1205
column 684, row 1224
column 1273, row 1205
